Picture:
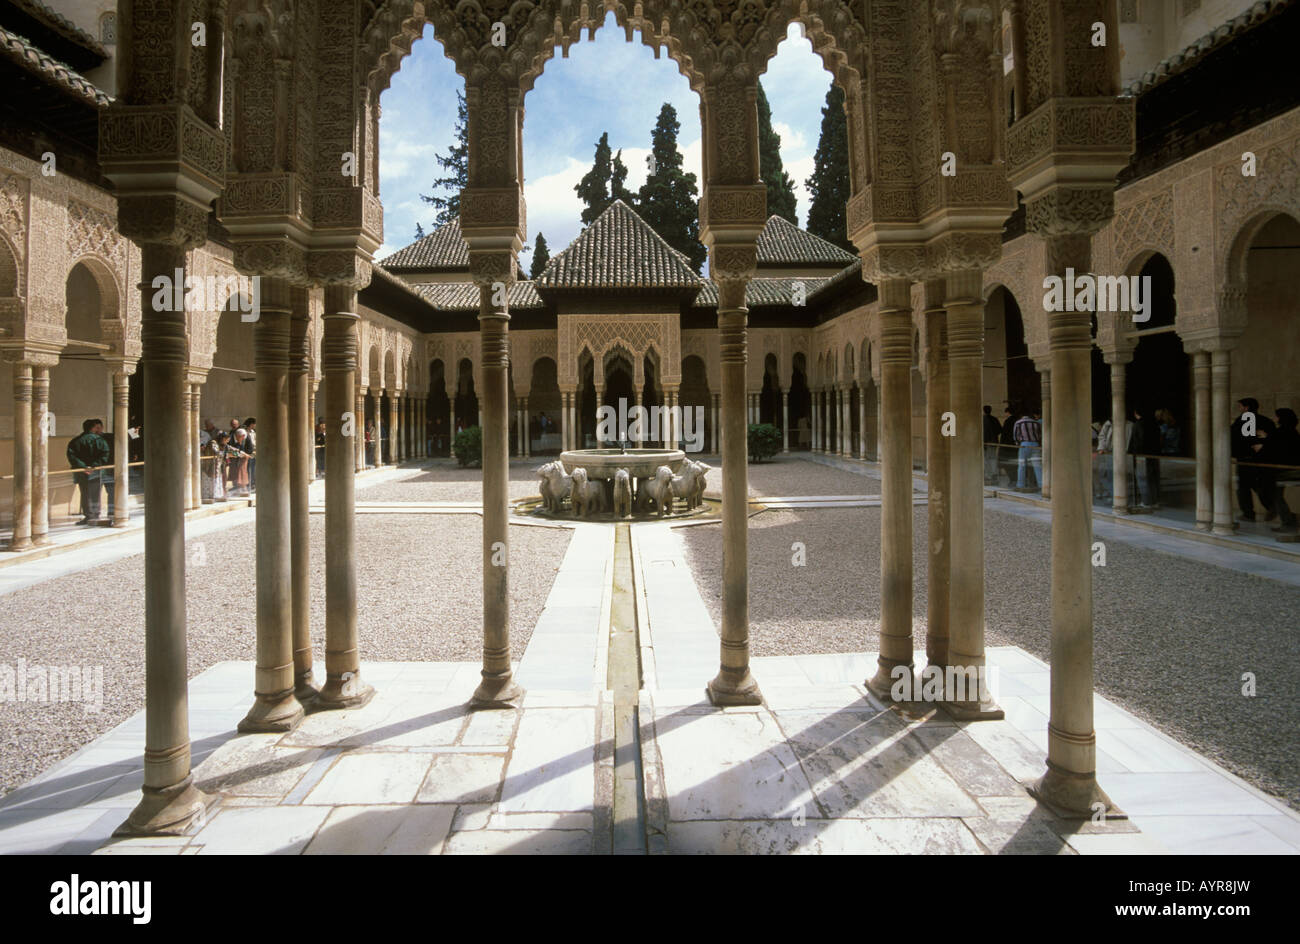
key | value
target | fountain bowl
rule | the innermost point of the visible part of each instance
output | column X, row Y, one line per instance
column 603, row 463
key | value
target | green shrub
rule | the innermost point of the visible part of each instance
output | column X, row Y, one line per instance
column 764, row 441
column 468, row 446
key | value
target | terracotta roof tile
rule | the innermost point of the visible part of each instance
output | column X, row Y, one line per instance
column 783, row 243
column 619, row 250
column 444, row 248
column 464, row 296
column 21, row 51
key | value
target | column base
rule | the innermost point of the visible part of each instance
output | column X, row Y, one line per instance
column 168, row 811
column 272, row 714
column 497, row 692
column 1072, row 795
column 304, row 689
column 982, row 710
column 1225, row 530
column 882, row 684
column 1203, row 526
column 342, row 691
column 24, row 545
column 41, row 540
column 730, row 687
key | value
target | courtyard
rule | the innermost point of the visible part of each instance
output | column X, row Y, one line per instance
column 821, row 766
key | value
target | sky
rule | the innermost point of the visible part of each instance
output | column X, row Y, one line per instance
column 606, row 84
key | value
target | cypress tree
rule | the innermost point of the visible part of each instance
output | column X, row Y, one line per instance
column 780, row 187
column 419, row 232
column 456, row 163
column 618, row 182
column 593, row 189
column 829, row 183
column 668, row 200
column 541, row 256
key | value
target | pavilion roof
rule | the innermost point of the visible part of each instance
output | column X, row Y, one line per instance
column 783, row 243
column 444, row 248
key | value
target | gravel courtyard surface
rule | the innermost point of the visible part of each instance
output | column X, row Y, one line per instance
column 1173, row 636
column 791, row 476
column 448, row 482
column 419, row 598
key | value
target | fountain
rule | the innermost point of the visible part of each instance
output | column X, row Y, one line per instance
column 620, row 483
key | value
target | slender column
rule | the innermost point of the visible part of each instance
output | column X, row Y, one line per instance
column 1046, row 483
column 196, row 456
column 190, row 433
column 498, row 688
column 422, row 433
column 734, row 685
column 343, row 686
column 717, row 423
column 40, row 455
column 311, row 419
column 1204, row 462
column 359, row 408
column 170, row 800
column 938, row 497
column 862, row 422
column 895, row 487
column 451, row 423
column 670, row 401
column 965, row 307
column 121, row 450
column 1071, row 781
column 276, row 708
column 846, row 431
column 302, row 462
column 816, row 420
column 22, row 538
column 393, row 437
column 1118, row 439
column 523, row 427
column 1220, row 374
column 785, row 421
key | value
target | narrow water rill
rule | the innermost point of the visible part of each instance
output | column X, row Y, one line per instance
column 624, row 684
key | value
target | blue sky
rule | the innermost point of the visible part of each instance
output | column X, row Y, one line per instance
column 606, row 84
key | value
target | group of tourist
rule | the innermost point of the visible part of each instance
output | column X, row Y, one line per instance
column 228, row 460
column 1013, row 447
column 1268, row 459
column 1148, row 434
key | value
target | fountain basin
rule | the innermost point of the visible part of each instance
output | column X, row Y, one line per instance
column 603, row 463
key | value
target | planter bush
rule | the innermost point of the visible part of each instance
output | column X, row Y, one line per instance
column 468, row 447
column 764, row 441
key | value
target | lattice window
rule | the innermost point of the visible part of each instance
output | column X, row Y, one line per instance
column 108, row 29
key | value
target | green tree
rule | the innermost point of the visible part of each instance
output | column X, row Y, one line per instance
column 456, row 164
column 593, row 189
column 829, row 183
column 618, row 182
column 780, row 186
column 419, row 232
column 541, row 256
column 668, row 200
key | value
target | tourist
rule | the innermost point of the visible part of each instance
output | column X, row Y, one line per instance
column 1104, row 463
column 89, row 452
column 992, row 434
column 370, row 442
column 238, row 463
column 320, row 448
column 209, row 430
column 1145, row 452
column 250, row 446
column 1281, row 447
column 1028, row 434
column 1007, row 444
column 212, row 468
column 1248, row 475
column 1171, row 436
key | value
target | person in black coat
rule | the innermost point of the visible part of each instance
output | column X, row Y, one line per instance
column 1280, row 447
column 992, row 434
column 1250, row 478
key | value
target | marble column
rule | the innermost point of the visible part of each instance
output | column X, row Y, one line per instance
column 671, row 417
column 121, row 450
column 846, row 432
column 1046, row 475
column 187, row 413
column 343, row 686
column 816, row 419
column 302, row 462
column 938, row 497
column 785, row 421
column 524, row 444
column 964, row 302
column 359, row 419
column 717, row 423
column 394, row 431
column 451, row 423
column 498, row 688
column 1118, row 438
column 1203, row 421
column 170, row 800
column 1070, row 782
column 895, row 487
column 40, row 455
column 196, row 455
column 862, row 422
column 564, row 421
column 22, row 536
column 275, row 707
column 1221, row 434
column 734, row 685
column 311, row 418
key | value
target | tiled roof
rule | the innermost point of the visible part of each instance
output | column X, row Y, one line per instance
column 464, row 296
column 761, row 291
column 60, row 24
column 783, row 243
column 19, row 50
column 1188, row 56
column 444, row 248
column 619, row 250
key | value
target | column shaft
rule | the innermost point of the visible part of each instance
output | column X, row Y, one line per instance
column 302, row 463
column 1220, row 374
column 1118, row 440
column 40, row 455
column 196, row 455
column 344, row 418
column 785, row 421
column 121, row 450
column 498, row 688
column 22, row 538
column 895, row 487
column 190, row 434
column 275, row 708
column 734, row 685
column 1204, row 437
column 1046, row 484
column 937, row 459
